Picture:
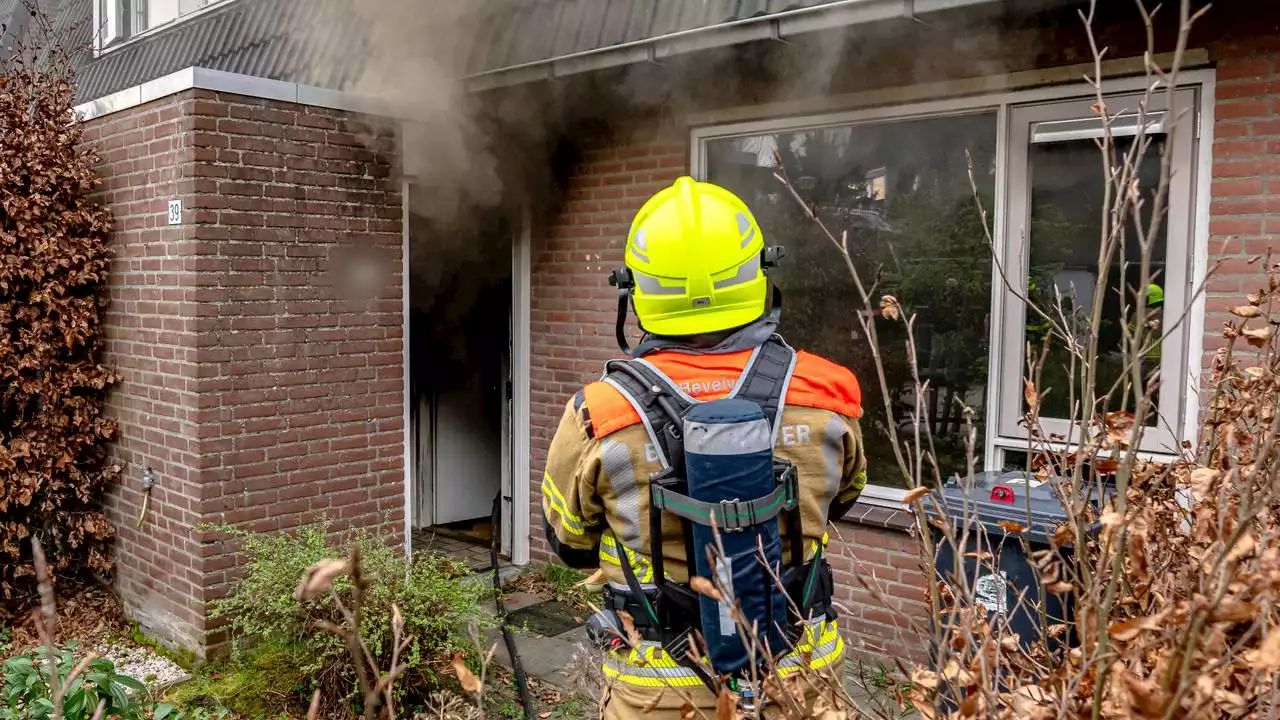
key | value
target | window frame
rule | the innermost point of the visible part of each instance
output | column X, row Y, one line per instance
column 1164, row 437
column 1202, row 82
column 113, row 22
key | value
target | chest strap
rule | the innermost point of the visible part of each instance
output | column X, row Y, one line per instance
column 731, row 515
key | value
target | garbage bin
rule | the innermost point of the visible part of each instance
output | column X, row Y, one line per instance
column 1005, row 582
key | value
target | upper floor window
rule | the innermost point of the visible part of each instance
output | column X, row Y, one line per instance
column 120, row 20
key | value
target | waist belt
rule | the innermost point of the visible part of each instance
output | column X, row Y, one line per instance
column 668, row 616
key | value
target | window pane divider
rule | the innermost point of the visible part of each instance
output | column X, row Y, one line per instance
column 1123, row 125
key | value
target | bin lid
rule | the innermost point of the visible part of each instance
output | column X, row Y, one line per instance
column 1003, row 495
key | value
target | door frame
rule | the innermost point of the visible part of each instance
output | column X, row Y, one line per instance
column 521, row 380
column 410, row 462
column 515, row 481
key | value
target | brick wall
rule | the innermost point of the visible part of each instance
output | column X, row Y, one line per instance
column 880, row 585
column 1245, row 194
column 151, row 343
column 264, row 391
column 301, row 382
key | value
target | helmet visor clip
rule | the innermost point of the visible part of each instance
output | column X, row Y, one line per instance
column 621, row 279
column 772, row 256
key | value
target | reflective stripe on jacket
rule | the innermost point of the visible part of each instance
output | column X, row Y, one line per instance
column 650, row 666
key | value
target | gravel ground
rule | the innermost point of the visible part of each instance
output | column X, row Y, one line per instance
column 145, row 666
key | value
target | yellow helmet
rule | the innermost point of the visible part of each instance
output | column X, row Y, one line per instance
column 697, row 261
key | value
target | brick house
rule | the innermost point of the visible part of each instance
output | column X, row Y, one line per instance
column 248, row 180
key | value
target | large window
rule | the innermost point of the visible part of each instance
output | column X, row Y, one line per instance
column 119, row 20
column 898, row 187
column 900, row 192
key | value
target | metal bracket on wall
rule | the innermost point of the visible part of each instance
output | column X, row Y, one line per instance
column 775, row 32
column 651, row 55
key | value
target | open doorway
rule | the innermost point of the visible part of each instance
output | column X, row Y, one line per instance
column 460, row 360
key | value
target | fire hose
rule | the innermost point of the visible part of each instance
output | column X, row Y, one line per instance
column 521, row 681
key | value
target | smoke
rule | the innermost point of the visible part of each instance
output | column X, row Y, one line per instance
column 408, row 64
column 470, row 154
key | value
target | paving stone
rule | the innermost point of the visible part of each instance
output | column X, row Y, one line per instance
column 473, row 556
column 541, row 657
column 517, row 600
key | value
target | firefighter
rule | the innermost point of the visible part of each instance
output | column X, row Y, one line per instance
column 695, row 276
column 1151, row 340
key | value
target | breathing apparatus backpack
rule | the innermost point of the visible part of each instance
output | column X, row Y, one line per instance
column 721, row 479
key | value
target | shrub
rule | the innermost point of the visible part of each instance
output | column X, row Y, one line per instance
column 53, row 270
column 434, row 600
column 28, row 693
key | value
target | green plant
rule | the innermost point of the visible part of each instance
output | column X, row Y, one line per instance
column 571, row 709
column 166, row 711
column 259, row 682
column 568, row 586
column 430, row 593
column 565, row 579
column 29, row 687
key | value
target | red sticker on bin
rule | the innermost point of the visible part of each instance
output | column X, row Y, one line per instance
column 1002, row 493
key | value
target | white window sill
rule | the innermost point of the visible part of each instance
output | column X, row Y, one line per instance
column 882, row 496
column 1012, row 444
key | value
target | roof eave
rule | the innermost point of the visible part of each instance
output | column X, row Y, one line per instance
column 775, row 26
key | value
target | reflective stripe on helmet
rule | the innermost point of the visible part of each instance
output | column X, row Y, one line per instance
column 747, row 272
column 653, row 286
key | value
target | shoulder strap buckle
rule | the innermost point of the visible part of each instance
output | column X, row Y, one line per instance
column 735, row 515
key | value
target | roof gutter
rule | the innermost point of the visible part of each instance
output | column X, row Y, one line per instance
column 775, row 26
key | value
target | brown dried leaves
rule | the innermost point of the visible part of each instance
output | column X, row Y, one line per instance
column 52, row 295
column 913, row 495
column 630, row 633
column 889, row 308
column 319, row 578
column 704, row 586
column 470, row 683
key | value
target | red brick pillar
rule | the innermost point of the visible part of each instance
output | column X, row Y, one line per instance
column 264, row 393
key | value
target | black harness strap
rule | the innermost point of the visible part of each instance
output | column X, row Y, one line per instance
column 662, row 407
column 767, row 380
column 766, row 383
